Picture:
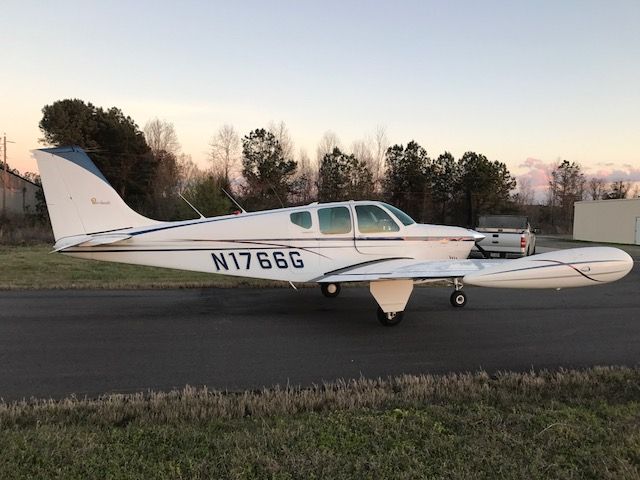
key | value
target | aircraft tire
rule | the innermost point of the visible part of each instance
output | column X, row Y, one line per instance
column 330, row 290
column 458, row 299
column 390, row 322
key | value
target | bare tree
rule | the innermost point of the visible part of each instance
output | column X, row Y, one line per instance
column 328, row 142
column 524, row 195
column 281, row 132
column 596, row 188
column 381, row 145
column 566, row 186
column 361, row 149
column 305, row 180
column 225, row 151
column 188, row 172
column 619, row 189
column 161, row 137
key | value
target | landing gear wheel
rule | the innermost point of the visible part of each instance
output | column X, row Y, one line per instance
column 458, row 299
column 330, row 290
column 390, row 319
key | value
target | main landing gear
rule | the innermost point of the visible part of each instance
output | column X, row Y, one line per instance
column 389, row 319
column 330, row 290
column 392, row 297
column 458, row 298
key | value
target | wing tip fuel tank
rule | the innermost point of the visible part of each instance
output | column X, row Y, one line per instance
column 576, row 267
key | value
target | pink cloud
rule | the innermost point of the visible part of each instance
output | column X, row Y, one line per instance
column 627, row 173
column 537, row 176
column 538, row 173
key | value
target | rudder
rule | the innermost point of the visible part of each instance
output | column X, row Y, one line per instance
column 79, row 198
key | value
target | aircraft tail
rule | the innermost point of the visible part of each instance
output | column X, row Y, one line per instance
column 79, row 198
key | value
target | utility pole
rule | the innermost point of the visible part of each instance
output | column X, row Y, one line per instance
column 5, row 178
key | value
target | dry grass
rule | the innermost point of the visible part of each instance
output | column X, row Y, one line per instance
column 198, row 404
column 570, row 424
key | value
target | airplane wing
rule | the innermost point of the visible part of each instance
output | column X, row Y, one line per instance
column 575, row 267
column 407, row 269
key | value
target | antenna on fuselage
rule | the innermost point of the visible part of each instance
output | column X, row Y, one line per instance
column 233, row 200
column 194, row 208
column 277, row 196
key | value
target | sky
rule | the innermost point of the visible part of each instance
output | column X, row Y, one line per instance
column 526, row 83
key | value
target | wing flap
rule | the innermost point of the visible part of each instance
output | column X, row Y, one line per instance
column 408, row 269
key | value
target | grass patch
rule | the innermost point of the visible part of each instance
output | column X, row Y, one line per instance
column 569, row 424
column 33, row 267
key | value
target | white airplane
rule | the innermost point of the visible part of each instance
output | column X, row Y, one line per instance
column 332, row 243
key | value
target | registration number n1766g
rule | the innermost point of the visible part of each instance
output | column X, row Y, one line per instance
column 259, row 258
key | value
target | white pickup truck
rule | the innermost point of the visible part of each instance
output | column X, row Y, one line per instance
column 506, row 235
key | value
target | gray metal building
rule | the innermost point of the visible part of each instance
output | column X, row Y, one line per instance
column 17, row 194
column 614, row 221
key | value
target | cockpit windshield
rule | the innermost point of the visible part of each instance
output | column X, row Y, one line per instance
column 400, row 215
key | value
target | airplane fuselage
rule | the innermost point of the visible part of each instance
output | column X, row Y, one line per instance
column 297, row 244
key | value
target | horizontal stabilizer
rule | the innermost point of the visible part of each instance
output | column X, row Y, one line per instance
column 90, row 240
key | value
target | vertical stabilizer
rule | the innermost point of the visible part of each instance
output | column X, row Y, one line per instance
column 79, row 199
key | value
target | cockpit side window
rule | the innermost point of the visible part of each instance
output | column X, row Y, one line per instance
column 373, row 219
column 403, row 217
column 302, row 219
column 334, row 220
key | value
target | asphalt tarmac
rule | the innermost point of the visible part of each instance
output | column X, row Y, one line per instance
column 57, row 343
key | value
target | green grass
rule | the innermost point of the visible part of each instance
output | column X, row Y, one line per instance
column 33, row 267
column 571, row 424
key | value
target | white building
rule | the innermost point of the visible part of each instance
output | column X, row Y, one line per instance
column 613, row 221
column 18, row 196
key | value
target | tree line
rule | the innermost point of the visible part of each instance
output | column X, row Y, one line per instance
column 149, row 171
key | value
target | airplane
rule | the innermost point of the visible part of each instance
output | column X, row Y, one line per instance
column 326, row 243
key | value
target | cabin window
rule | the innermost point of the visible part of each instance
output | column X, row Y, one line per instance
column 373, row 219
column 403, row 217
column 302, row 219
column 334, row 220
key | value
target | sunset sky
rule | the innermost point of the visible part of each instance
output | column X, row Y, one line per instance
column 525, row 83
